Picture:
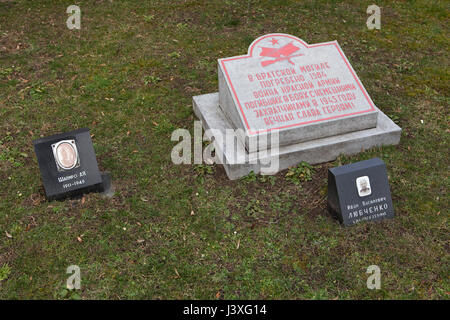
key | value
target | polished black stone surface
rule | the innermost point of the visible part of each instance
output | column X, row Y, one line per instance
column 368, row 199
column 60, row 184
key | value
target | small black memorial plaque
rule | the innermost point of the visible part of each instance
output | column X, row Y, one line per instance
column 68, row 164
column 360, row 192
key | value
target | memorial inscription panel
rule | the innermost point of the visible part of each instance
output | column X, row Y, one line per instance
column 68, row 164
column 360, row 192
column 305, row 92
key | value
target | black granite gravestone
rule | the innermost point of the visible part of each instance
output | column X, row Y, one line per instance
column 360, row 192
column 68, row 164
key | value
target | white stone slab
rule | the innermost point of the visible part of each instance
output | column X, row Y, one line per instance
column 240, row 163
column 304, row 92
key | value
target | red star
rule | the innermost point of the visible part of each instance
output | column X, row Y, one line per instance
column 274, row 41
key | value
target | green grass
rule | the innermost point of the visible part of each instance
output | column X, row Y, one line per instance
column 178, row 232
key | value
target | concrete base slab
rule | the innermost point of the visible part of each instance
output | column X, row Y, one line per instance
column 238, row 162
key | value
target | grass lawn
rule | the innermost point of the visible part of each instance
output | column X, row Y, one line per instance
column 186, row 231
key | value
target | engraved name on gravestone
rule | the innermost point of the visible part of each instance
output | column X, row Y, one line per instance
column 360, row 192
column 68, row 164
column 304, row 91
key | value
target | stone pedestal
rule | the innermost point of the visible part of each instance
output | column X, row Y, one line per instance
column 309, row 96
column 240, row 162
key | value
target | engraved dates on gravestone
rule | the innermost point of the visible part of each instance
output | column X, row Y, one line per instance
column 303, row 91
column 360, row 192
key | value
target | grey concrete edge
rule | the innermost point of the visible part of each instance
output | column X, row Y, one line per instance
column 314, row 152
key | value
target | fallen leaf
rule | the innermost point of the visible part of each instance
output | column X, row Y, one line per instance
column 35, row 199
column 218, row 295
column 176, row 271
column 144, row 199
column 79, row 239
column 140, row 240
column 238, row 243
column 8, row 235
